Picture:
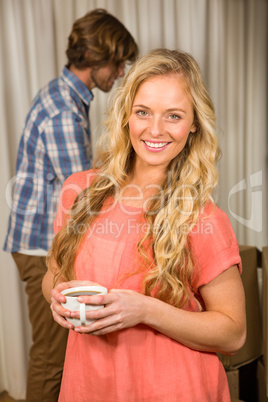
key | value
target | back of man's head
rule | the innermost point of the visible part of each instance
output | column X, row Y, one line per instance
column 98, row 38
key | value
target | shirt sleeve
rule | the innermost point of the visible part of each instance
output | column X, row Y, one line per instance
column 214, row 247
column 67, row 142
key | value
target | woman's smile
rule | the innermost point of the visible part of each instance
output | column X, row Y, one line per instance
column 155, row 146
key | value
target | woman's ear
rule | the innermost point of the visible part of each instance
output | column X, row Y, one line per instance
column 193, row 129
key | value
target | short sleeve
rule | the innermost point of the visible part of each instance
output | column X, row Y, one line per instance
column 71, row 188
column 214, row 247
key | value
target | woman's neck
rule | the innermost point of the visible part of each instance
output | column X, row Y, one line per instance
column 142, row 186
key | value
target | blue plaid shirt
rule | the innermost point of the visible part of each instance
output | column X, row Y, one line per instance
column 55, row 143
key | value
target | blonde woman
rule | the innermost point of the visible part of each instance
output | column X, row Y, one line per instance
column 143, row 223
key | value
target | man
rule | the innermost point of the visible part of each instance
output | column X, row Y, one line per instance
column 56, row 143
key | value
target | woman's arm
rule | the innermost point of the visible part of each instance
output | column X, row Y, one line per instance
column 221, row 328
column 47, row 285
column 48, row 281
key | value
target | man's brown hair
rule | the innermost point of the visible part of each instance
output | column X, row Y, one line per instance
column 99, row 38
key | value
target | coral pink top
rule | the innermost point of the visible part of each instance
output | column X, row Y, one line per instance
column 139, row 363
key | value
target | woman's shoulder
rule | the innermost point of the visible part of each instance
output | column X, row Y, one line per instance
column 212, row 228
column 81, row 180
column 211, row 212
column 71, row 188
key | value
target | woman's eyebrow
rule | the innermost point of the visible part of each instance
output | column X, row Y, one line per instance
column 142, row 106
column 172, row 109
column 176, row 109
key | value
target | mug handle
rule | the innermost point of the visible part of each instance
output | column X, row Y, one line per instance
column 83, row 319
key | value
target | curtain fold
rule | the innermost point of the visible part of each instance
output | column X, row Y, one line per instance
column 228, row 39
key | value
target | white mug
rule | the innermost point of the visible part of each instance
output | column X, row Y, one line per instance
column 72, row 304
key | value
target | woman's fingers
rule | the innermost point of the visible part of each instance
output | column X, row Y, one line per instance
column 60, row 314
column 122, row 310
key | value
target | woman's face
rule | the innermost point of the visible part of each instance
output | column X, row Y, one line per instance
column 161, row 119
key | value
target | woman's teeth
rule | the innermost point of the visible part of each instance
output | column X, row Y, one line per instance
column 155, row 144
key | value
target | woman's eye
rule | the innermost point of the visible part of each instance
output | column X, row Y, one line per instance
column 142, row 113
column 174, row 117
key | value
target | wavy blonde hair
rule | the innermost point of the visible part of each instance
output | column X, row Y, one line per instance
column 192, row 175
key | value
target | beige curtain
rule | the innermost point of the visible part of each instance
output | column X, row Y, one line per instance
column 227, row 37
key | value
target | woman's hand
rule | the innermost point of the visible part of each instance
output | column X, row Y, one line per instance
column 123, row 309
column 58, row 311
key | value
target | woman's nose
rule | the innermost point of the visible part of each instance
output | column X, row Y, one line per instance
column 156, row 127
